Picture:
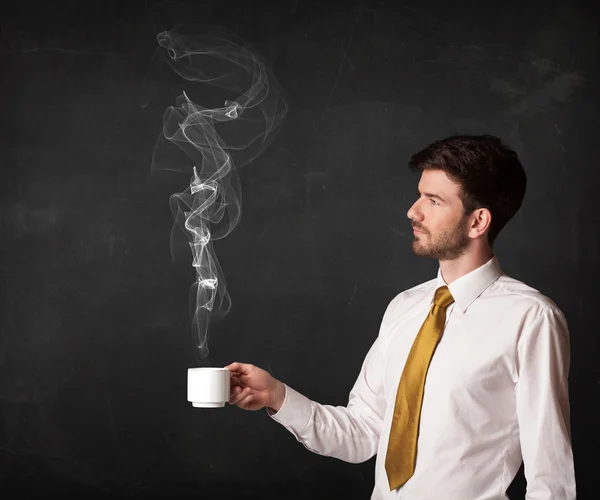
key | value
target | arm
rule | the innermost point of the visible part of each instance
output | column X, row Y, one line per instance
column 348, row 433
column 543, row 408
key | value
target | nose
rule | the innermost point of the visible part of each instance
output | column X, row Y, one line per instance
column 414, row 213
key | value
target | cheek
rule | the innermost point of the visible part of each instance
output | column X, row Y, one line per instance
column 435, row 219
column 441, row 223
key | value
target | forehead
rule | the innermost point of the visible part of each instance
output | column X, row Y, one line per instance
column 436, row 181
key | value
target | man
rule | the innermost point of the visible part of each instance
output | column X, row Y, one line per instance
column 468, row 376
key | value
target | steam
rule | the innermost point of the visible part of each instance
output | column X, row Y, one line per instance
column 216, row 141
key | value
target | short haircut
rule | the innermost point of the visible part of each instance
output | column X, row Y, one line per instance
column 489, row 173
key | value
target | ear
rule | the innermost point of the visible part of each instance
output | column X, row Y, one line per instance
column 481, row 219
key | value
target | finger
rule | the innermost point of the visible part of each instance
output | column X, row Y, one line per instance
column 234, row 391
column 239, row 395
column 246, row 400
column 236, row 367
column 235, row 381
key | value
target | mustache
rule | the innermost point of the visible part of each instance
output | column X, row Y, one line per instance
column 418, row 226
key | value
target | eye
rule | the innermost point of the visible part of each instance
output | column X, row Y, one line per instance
column 433, row 201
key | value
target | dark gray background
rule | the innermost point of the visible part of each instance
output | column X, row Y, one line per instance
column 94, row 344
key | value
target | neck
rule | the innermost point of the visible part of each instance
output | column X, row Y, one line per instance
column 453, row 269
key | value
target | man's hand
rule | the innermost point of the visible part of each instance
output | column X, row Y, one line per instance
column 253, row 388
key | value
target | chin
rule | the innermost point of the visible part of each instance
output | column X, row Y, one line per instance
column 419, row 250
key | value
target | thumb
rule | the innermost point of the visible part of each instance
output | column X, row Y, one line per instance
column 240, row 368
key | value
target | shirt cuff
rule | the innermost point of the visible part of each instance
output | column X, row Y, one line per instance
column 295, row 412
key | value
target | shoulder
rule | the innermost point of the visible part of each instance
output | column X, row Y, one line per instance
column 407, row 299
column 523, row 301
column 522, row 292
column 405, row 305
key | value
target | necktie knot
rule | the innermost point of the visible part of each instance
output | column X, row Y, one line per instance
column 443, row 297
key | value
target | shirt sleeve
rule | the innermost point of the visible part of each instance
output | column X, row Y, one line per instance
column 348, row 433
column 543, row 408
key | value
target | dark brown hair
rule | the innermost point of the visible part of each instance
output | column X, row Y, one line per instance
column 489, row 173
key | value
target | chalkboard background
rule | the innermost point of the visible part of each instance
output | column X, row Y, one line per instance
column 94, row 342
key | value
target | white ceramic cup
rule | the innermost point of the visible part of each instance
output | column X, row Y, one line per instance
column 208, row 387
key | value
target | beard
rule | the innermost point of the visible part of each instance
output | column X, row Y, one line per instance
column 447, row 245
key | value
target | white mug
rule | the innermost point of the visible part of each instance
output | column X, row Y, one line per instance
column 208, row 387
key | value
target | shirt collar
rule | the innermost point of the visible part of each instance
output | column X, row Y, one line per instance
column 470, row 286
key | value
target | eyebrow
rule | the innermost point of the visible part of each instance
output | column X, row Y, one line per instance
column 431, row 195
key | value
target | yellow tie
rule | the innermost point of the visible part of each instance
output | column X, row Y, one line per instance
column 402, row 446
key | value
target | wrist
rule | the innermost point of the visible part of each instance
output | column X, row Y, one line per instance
column 278, row 396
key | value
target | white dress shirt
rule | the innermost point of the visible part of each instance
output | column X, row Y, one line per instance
column 496, row 394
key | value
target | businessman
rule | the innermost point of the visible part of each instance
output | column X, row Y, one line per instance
column 468, row 377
